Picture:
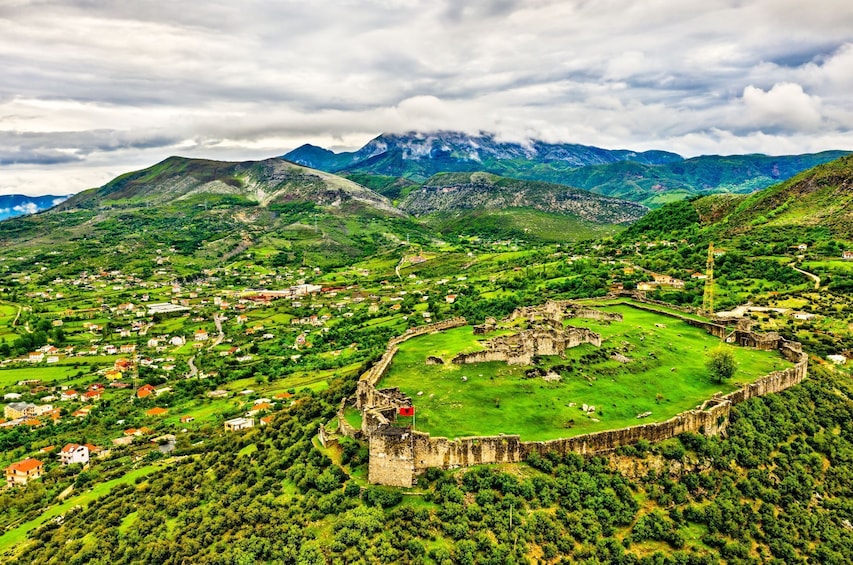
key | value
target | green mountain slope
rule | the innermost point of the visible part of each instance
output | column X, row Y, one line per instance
column 655, row 185
column 202, row 212
column 821, row 197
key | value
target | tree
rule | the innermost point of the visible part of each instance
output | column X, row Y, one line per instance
column 721, row 364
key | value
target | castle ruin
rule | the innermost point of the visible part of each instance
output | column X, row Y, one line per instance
column 397, row 455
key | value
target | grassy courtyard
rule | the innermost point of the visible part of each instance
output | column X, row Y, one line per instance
column 662, row 371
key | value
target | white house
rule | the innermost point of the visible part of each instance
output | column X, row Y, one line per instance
column 837, row 359
column 73, row 453
column 237, row 424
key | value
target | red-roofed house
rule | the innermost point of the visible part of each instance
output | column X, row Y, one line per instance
column 259, row 407
column 92, row 448
column 69, row 394
column 22, row 472
column 91, row 396
column 74, row 453
column 144, row 391
column 156, row 411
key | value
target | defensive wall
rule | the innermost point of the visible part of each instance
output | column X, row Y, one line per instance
column 399, row 454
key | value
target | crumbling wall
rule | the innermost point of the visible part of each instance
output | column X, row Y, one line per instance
column 593, row 314
column 344, row 427
column 520, row 348
column 578, row 336
column 378, row 370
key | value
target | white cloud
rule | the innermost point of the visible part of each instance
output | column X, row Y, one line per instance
column 784, row 105
column 93, row 89
column 28, row 208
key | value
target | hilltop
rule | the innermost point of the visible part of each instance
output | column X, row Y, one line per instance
column 206, row 211
column 264, row 183
column 649, row 177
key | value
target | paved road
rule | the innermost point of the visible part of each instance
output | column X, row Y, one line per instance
column 193, row 370
column 218, row 321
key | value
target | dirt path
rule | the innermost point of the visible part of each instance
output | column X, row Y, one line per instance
column 812, row 276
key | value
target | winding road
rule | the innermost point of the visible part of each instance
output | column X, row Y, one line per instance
column 193, row 370
column 812, row 276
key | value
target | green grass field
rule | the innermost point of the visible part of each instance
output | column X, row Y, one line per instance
column 15, row 536
column 498, row 398
column 52, row 373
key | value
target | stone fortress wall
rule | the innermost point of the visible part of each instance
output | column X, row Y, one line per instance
column 399, row 454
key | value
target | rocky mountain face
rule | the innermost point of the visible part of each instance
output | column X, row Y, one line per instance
column 452, row 192
column 420, row 155
column 650, row 177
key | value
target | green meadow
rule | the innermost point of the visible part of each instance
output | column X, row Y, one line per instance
column 664, row 374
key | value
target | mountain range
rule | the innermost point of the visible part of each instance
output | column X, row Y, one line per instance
column 212, row 210
column 288, row 213
column 649, row 177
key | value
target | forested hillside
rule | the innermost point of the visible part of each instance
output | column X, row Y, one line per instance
column 777, row 488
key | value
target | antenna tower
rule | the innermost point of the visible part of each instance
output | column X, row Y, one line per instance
column 708, row 295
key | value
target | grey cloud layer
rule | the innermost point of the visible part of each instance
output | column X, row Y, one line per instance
column 100, row 86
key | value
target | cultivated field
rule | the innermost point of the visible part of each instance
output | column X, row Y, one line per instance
column 661, row 370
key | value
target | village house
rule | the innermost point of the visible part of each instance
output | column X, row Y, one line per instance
column 666, row 280
column 837, row 359
column 802, row 315
column 22, row 472
column 74, row 453
column 17, row 410
column 145, row 391
column 157, row 411
column 847, row 255
column 201, row 335
column 237, row 424
column 68, row 395
column 259, row 407
column 91, row 396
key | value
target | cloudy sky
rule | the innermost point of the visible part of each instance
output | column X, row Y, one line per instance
column 94, row 88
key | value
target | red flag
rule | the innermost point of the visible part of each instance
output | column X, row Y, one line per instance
column 407, row 411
